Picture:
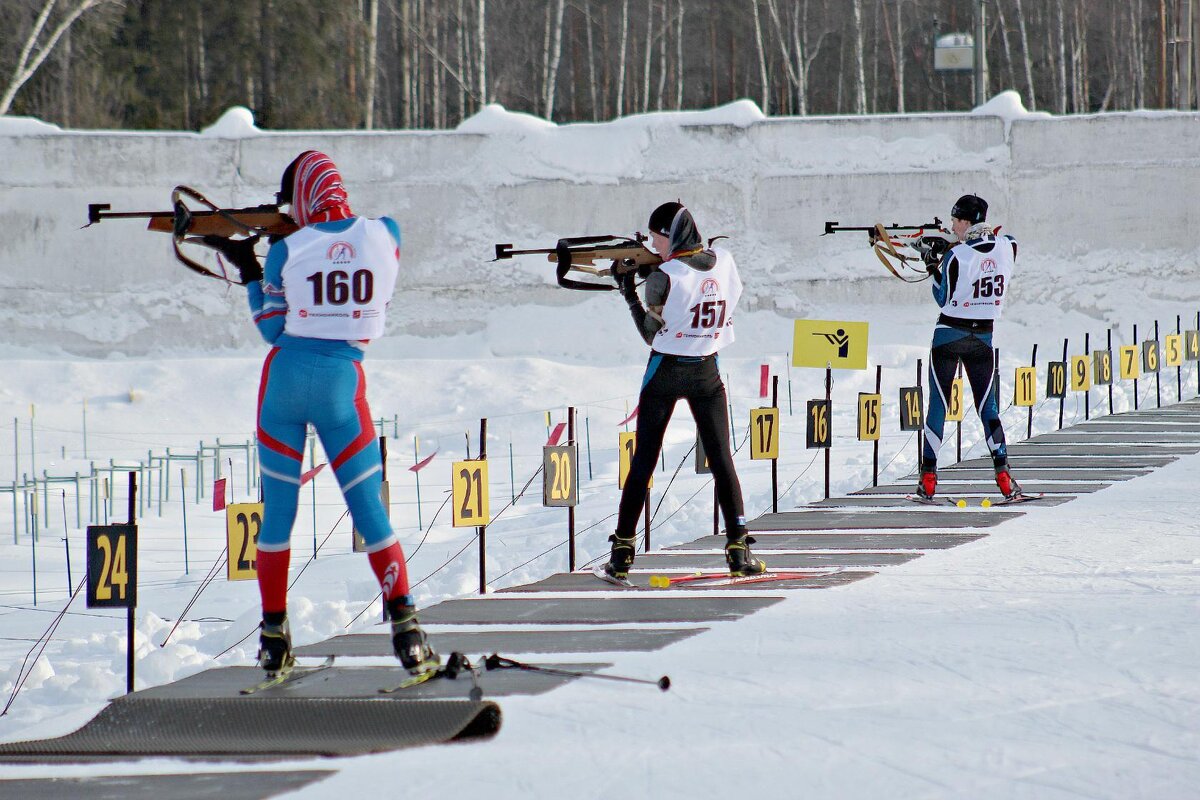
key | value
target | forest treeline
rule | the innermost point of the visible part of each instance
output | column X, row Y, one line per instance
column 369, row 64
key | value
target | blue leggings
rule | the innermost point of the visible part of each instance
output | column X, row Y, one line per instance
column 974, row 350
column 330, row 392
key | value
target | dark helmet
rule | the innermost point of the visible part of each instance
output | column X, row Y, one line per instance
column 970, row 208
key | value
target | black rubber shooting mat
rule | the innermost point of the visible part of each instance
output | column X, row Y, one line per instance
column 1114, row 435
column 1183, row 422
column 926, row 540
column 553, row 640
column 1020, row 463
column 349, row 683
column 895, row 501
column 197, row 786
column 918, row 517
column 586, row 582
column 244, row 728
column 595, row 610
column 692, row 560
column 1029, row 474
column 988, row 488
column 1035, row 448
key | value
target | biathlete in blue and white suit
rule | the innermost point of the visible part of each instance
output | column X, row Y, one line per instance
column 691, row 298
column 323, row 296
column 969, row 285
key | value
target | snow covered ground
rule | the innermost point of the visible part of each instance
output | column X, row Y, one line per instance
column 1055, row 658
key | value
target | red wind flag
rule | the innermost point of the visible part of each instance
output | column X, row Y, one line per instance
column 420, row 465
column 312, row 473
column 219, row 494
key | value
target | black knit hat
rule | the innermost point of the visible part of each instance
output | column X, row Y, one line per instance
column 970, row 208
column 662, row 218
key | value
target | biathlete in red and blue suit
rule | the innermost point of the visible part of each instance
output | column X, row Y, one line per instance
column 323, row 296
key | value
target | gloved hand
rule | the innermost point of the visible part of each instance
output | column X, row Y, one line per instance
column 240, row 253
column 628, row 287
column 932, row 251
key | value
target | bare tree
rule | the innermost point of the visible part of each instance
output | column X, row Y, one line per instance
column 620, row 105
column 555, row 54
column 481, row 50
column 762, row 60
column 860, row 72
column 372, row 61
column 33, row 54
column 1028, row 57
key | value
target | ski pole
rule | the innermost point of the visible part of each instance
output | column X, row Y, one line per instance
column 495, row 661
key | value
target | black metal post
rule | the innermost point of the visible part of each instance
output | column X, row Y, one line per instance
column 1062, row 401
column 1157, row 372
column 1087, row 354
column 1110, row 382
column 482, row 528
column 646, row 512
column 1029, row 425
column 130, row 612
column 574, row 479
column 1135, row 380
column 920, row 432
column 829, row 409
column 875, row 444
column 1179, row 369
column 958, row 423
column 775, row 460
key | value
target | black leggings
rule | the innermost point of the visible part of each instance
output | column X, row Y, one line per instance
column 668, row 380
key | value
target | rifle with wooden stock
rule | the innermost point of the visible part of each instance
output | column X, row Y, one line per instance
column 919, row 243
column 190, row 226
column 580, row 254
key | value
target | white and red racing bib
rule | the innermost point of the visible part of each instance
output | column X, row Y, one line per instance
column 338, row 285
column 983, row 280
column 698, row 314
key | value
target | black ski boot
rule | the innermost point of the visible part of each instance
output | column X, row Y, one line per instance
column 739, row 558
column 621, row 558
column 275, row 645
column 409, row 641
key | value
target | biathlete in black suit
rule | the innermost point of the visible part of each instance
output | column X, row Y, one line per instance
column 691, row 298
column 969, row 285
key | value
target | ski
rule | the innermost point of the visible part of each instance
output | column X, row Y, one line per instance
column 725, row 579
column 1017, row 498
column 936, row 501
column 455, row 665
column 288, row 674
column 613, row 579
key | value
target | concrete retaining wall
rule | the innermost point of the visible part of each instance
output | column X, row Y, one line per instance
column 1065, row 187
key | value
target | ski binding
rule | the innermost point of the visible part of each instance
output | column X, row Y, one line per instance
column 455, row 665
column 287, row 674
column 624, row 583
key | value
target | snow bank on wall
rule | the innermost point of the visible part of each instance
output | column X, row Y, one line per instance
column 1091, row 191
